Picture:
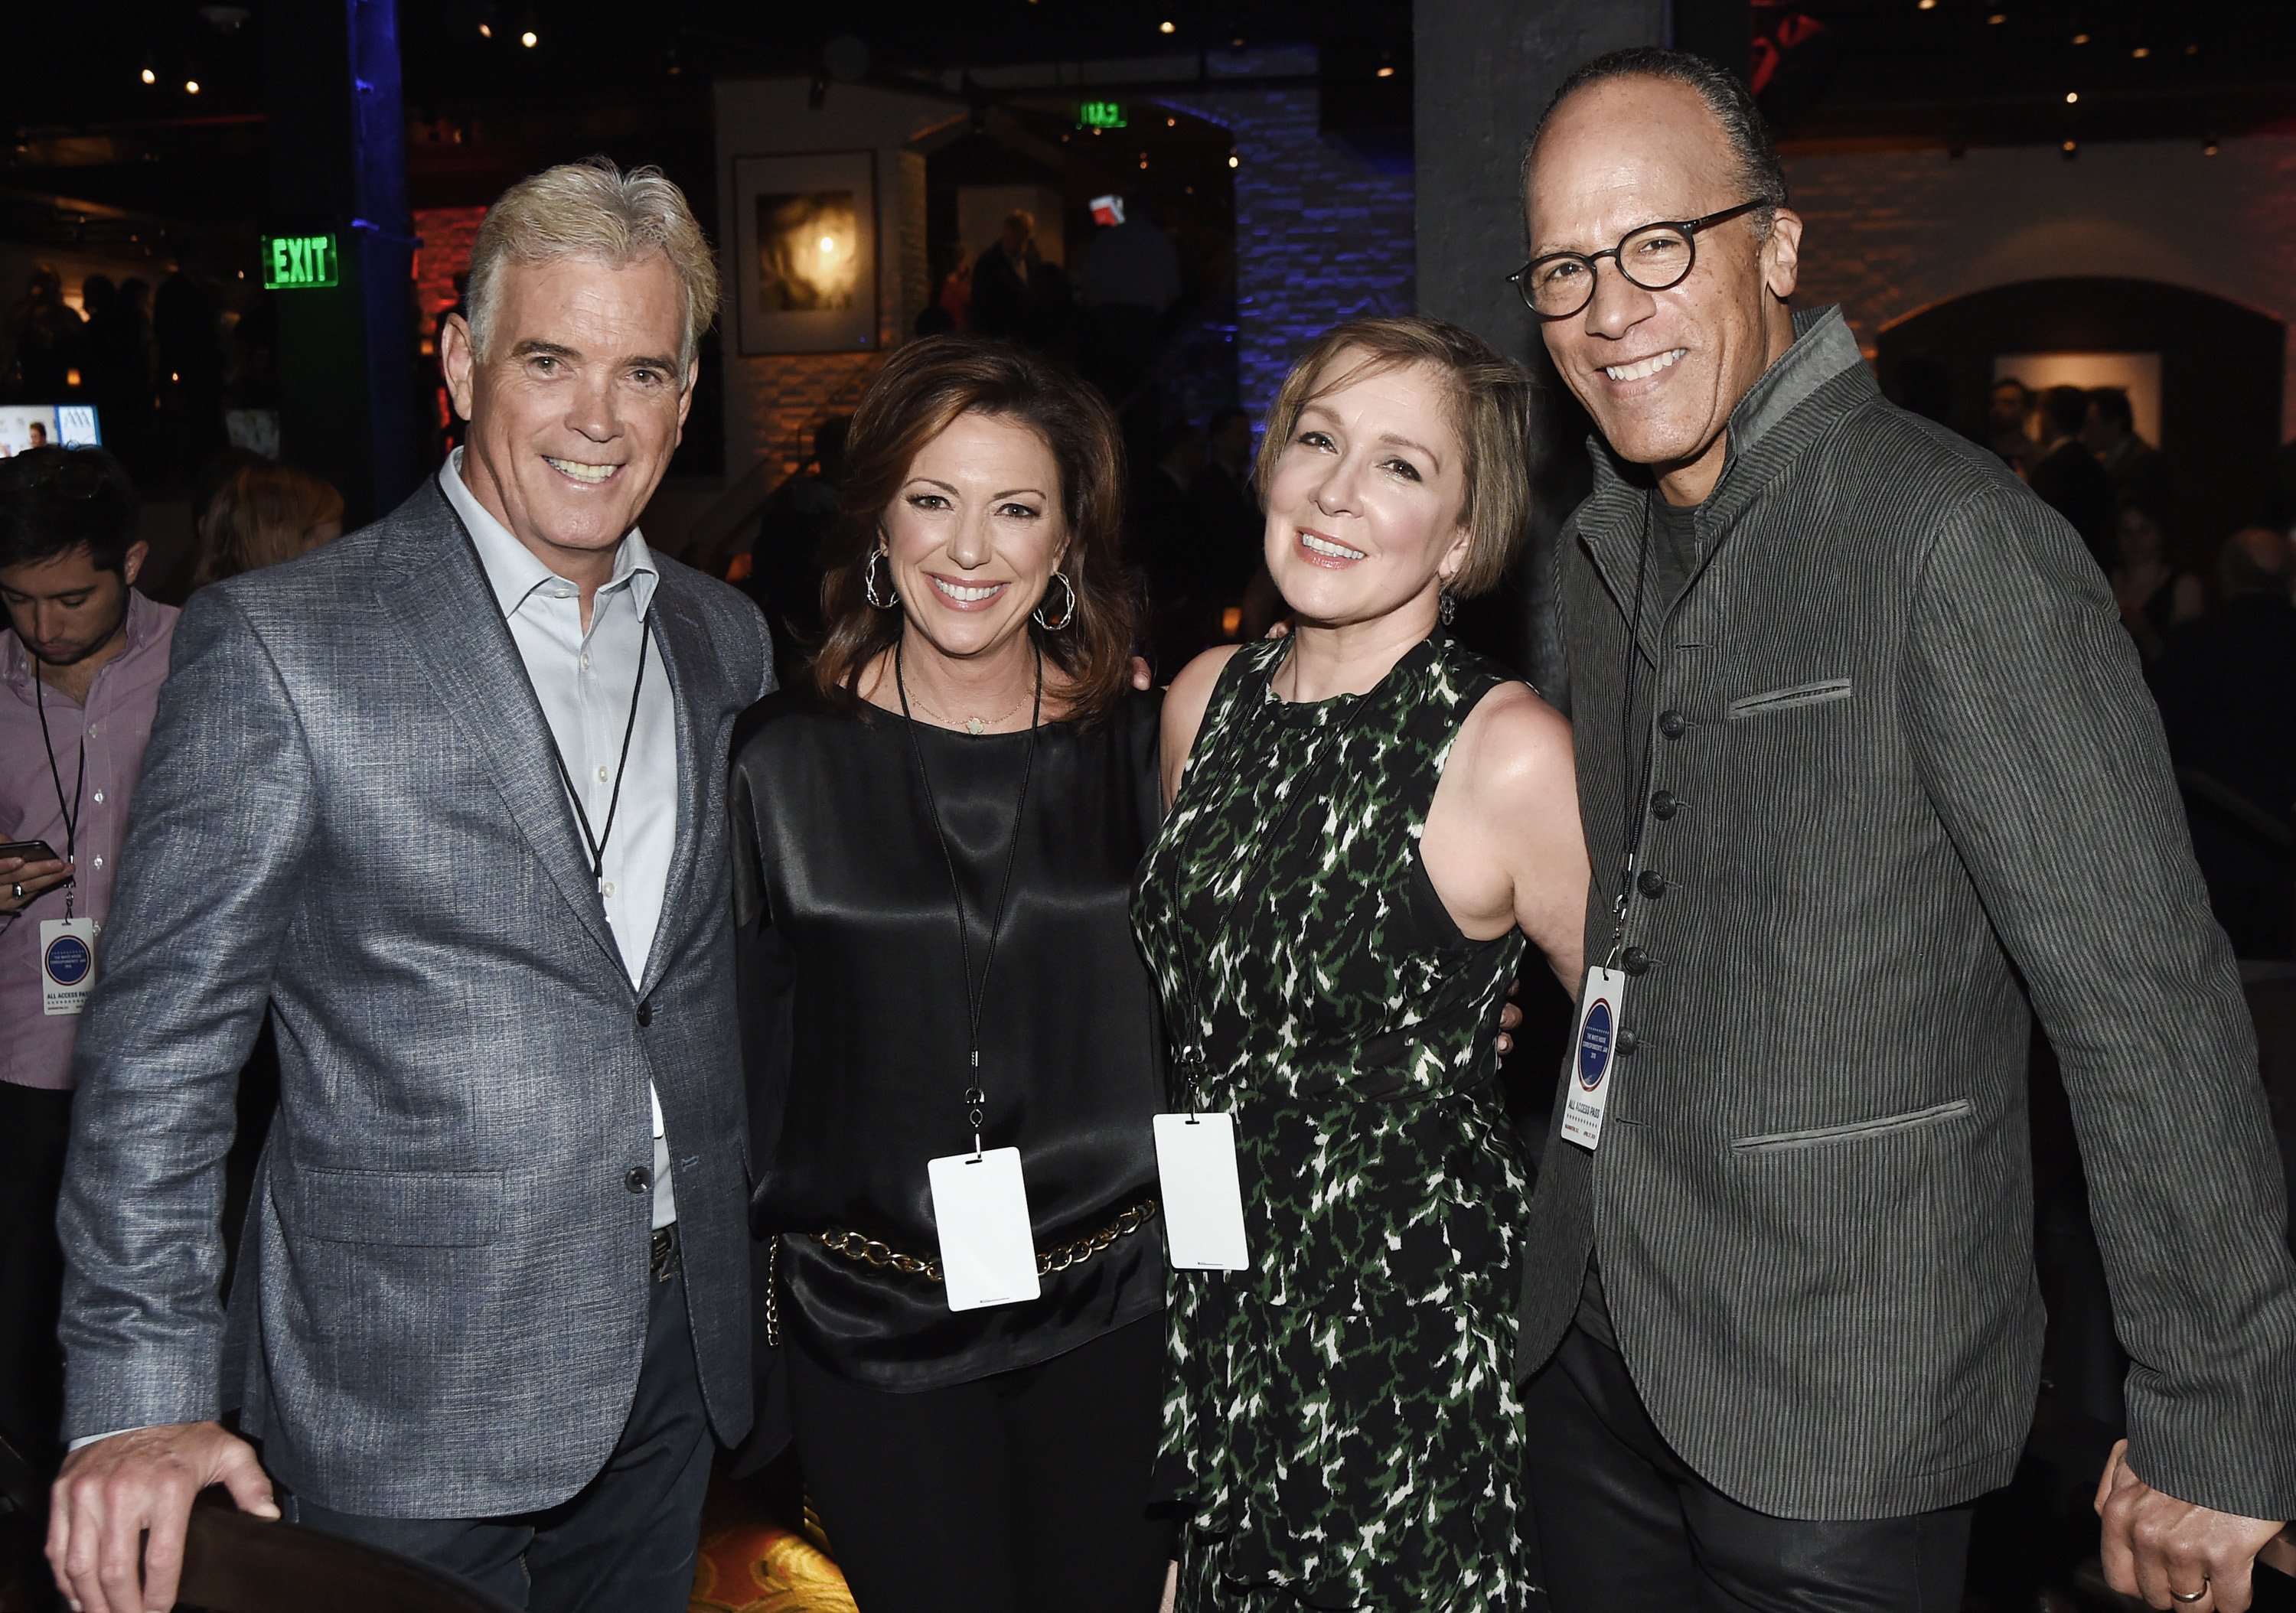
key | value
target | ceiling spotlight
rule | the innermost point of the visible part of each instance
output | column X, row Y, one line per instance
column 2191, row 50
column 2071, row 96
column 1385, row 72
column 1928, row 6
column 2141, row 52
column 191, row 87
column 486, row 30
column 2071, row 147
column 149, row 77
column 1999, row 17
column 530, row 38
column 1233, row 161
column 1171, row 123
column 2208, row 148
column 1143, row 159
column 2081, row 38
column 1167, row 28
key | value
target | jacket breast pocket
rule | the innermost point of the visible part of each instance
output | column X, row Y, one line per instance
column 430, row 1209
column 1853, row 1131
column 1791, row 699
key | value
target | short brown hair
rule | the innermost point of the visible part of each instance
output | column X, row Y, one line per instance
column 261, row 517
column 918, row 394
column 1490, row 412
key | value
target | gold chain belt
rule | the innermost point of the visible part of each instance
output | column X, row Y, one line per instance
column 865, row 1250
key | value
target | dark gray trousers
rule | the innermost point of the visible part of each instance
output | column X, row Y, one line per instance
column 625, row 1543
column 1625, row 1526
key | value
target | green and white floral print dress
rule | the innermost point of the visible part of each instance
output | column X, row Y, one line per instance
column 1340, row 1426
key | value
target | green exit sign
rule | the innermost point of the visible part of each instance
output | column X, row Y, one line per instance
column 297, row 263
column 1100, row 115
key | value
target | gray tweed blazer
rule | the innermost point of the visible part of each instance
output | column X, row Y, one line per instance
column 1922, row 797
column 349, row 810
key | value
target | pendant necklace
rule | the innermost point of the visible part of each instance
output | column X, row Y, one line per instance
column 973, row 725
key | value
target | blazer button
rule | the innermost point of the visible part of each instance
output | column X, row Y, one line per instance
column 1636, row 962
column 1626, row 1044
column 1663, row 805
column 1673, row 724
column 640, row 1179
column 1652, row 883
column 645, row 1015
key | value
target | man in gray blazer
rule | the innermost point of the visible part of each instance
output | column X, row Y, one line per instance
column 448, row 796
column 1869, row 778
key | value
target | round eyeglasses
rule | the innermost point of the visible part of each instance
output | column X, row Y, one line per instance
column 1655, row 257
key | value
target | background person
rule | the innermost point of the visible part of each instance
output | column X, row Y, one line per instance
column 446, row 794
column 1371, row 821
column 79, row 676
column 265, row 513
column 2156, row 596
column 2137, row 468
column 1789, row 1328
column 2067, row 477
column 993, row 1459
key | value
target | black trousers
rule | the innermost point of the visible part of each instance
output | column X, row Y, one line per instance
column 625, row 1543
column 1022, row 1493
column 34, row 1124
column 1625, row 1526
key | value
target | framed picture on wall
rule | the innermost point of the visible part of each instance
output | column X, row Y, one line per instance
column 804, row 244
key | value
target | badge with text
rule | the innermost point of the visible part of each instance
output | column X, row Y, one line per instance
column 1203, row 1199
column 67, row 963
column 981, row 1209
column 1592, row 1054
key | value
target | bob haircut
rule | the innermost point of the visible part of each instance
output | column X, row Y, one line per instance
column 918, row 394
column 1490, row 412
column 261, row 517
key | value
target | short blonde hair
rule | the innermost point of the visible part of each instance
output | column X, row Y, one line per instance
column 263, row 515
column 1490, row 412
column 592, row 209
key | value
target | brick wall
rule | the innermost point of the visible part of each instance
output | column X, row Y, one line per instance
column 1320, row 236
column 447, row 235
column 1892, row 233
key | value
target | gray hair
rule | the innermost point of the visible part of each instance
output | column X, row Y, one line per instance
column 592, row 209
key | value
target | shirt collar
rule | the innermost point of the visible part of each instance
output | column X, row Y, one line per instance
column 145, row 619
column 515, row 571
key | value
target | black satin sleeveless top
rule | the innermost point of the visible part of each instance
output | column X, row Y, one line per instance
column 855, row 1022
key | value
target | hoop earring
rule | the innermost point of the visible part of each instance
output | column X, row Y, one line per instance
column 1066, row 615
column 1449, row 607
column 869, row 581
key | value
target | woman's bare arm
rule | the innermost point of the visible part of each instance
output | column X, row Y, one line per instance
column 1185, row 705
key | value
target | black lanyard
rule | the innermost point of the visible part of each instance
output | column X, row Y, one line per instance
column 597, row 842
column 1631, row 834
column 70, row 810
column 975, row 1099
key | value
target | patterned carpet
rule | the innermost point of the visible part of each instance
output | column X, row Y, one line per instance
column 752, row 1562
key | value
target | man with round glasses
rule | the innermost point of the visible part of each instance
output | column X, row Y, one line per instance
column 1870, row 779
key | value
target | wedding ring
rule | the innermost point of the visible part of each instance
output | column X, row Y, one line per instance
column 15, row 893
column 2189, row 1595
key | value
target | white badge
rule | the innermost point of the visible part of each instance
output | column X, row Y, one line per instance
column 1592, row 1054
column 981, row 1209
column 1203, row 1201
column 67, row 963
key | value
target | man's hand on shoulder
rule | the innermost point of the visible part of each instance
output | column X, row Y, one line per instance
column 109, row 1493
column 2173, row 1553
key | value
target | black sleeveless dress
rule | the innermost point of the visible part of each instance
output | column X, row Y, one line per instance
column 855, row 1026
column 1340, row 1426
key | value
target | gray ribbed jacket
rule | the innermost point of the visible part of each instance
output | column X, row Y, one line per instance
column 1924, row 796
column 349, row 810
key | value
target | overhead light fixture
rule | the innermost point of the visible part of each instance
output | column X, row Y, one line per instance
column 2141, row 52
column 191, row 87
column 1168, row 27
column 2081, row 38
column 2071, row 146
column 529, row 39
column 1928, row 6
column 1233, row 161
column 149, row 77
column 1998, row 18
column 2071, row 96
column 1385, row 72
column 2191, row 50
column 2208, row 148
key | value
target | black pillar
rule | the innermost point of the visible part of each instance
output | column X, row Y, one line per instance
column 349, row 401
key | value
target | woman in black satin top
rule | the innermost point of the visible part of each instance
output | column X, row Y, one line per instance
column 976, row 667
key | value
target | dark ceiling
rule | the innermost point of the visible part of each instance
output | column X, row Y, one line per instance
column 634, row 79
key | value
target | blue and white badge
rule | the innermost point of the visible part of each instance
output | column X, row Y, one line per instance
column 67, row 964
column 1594, row 1051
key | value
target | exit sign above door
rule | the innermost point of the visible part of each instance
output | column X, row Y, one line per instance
column 297, row 262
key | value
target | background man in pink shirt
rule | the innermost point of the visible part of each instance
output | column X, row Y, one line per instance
column 78, row 678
